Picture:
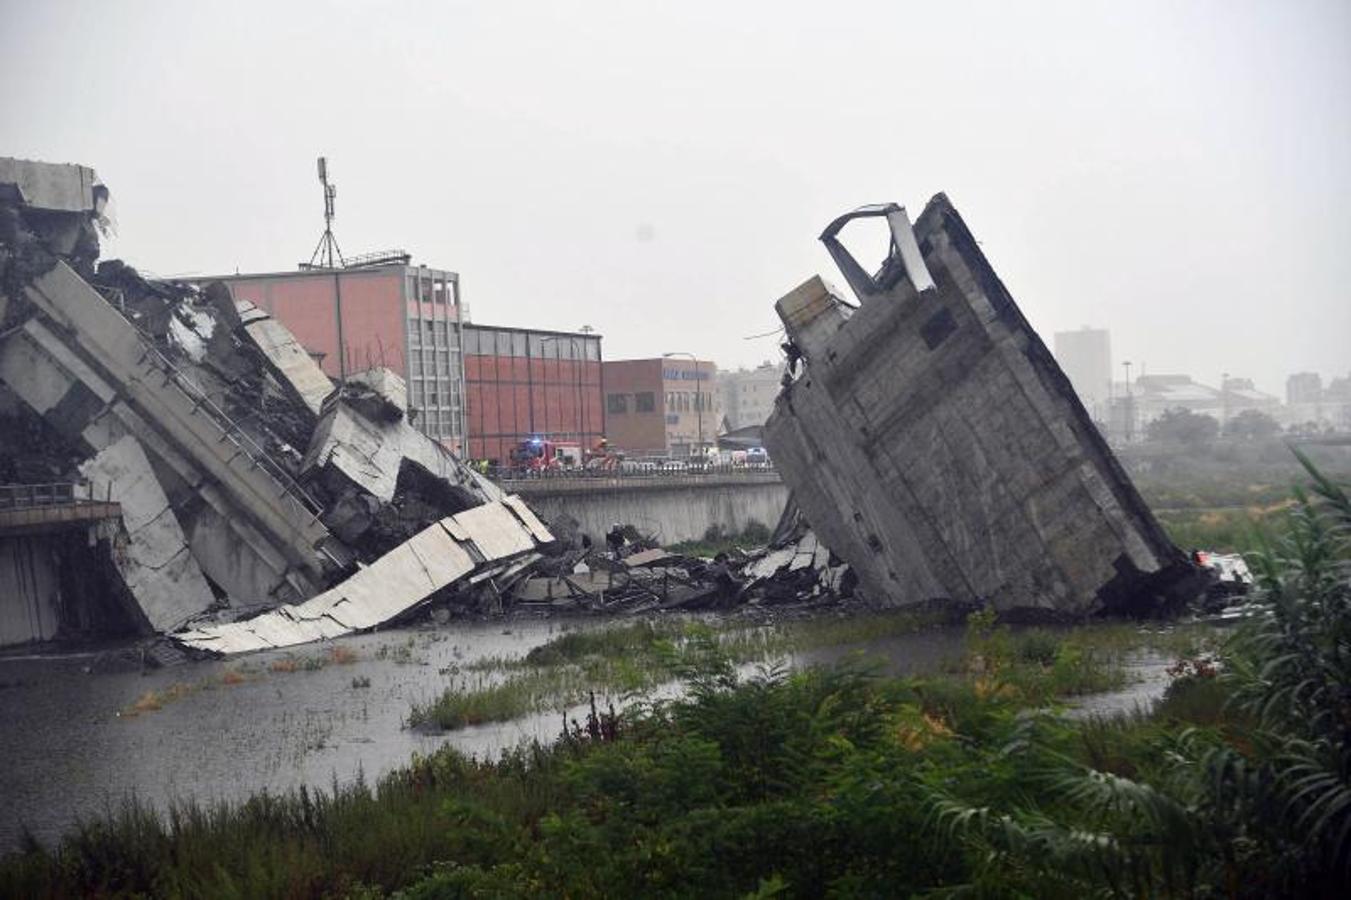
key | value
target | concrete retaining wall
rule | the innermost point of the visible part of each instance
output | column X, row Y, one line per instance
column 30, row 595
column 674, row 509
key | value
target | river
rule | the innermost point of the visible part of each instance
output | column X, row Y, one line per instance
column 73, row 747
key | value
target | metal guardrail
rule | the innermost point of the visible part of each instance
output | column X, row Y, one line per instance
column 44, row 496
column 642, row 470
column 229, row 430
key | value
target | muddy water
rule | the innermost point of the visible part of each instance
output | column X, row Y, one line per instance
column 71, row 748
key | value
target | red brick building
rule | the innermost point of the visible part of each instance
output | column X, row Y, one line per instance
column 658, row 406
column 522, row 384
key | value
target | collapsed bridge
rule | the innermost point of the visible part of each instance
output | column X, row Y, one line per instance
column 244, row 477
column 933, row 449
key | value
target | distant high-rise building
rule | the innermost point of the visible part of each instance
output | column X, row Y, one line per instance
column 748, row 394
column 1303, row 387
column 1086, row 357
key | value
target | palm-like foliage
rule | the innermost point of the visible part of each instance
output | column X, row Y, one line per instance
column 1291, row 670
column 1264, row 811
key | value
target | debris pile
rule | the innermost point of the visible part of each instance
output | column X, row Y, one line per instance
column 634, row 576
column 247, row 480
column 933, row 442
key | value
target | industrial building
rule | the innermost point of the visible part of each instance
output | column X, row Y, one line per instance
column 478, row 389
column 523, row 383
column 1148, row 397
column 377, row 312
column 661, row 407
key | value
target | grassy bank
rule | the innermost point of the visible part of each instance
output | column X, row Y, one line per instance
column 626, row 660
column 1224, row 530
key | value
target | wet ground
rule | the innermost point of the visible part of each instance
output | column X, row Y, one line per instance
column 73, row 746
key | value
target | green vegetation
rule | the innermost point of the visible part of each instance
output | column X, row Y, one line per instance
column 632, row 659
column 839, row 782
column 1221, row 530
column 715, row 540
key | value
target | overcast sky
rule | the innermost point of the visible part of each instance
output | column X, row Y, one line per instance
column 1177, row 172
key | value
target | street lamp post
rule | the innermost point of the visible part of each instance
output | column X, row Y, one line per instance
column 1130, row 405
column 577, row 361
column 1224, row 400
column 698, row 400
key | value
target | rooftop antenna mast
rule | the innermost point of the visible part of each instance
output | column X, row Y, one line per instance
column 327, row 250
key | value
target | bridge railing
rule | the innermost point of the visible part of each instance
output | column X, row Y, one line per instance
column 41, row 496
column 636, row 470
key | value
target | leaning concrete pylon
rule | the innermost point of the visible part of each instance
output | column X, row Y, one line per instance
column 932, row 441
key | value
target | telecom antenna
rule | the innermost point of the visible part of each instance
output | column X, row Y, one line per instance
column 327, row 250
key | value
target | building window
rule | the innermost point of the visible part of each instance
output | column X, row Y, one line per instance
column 644, row 402
column 616, row 404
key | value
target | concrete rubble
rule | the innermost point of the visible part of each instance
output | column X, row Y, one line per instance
column 639, row 577
column 932, row 441
column 151, row 553
column 262, row 505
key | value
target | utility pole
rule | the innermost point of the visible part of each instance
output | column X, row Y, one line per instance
column 1224, row 400
column 325, row 253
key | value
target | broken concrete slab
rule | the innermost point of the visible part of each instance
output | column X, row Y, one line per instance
column 470, row 544
column 152, row 554
column 365, row 453
column 52, row 187
column 934, row 444
column 379, row 394
column 369, row 454
column 295, row 369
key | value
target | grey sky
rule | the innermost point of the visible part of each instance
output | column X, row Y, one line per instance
column 1177, row 172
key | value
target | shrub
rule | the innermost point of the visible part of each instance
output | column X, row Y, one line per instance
column 755, row 532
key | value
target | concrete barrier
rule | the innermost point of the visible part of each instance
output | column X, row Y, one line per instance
column 673, row 508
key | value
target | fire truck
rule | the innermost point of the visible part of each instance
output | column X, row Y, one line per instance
column 537, row 455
